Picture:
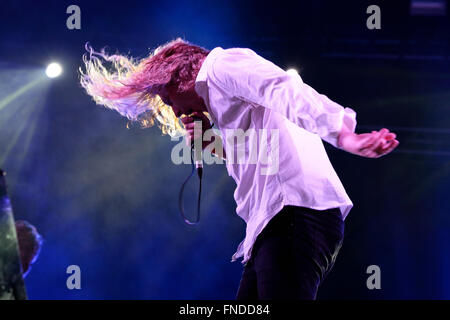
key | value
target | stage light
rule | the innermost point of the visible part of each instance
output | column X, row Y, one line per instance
column 428, row 8
column 292, row 71
column 53, row 70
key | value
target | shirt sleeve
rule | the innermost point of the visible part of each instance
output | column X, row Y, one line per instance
column 248, row 76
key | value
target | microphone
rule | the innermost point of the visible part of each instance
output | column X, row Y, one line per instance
column 199, row 166
column 198, row 160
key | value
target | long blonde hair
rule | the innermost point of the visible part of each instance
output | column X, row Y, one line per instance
column 131, row 86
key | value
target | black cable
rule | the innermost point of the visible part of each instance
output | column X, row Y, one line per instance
column 180, row 197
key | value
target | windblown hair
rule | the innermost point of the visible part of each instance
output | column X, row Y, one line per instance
column 131, row 86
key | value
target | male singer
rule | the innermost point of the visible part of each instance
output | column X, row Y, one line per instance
column 295, row 215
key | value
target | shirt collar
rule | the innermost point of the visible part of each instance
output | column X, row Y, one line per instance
column 210, row 58
column 201, row 86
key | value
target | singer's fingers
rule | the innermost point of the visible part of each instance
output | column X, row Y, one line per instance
column 392, row 145
column 193, row 125
column 381, row 142
column 197, row 114
column 378, row 144
column 371, row 140
column 187, row 120
column 200, row 115
column 189, row 125
column 368, row 139
column 390, row 136
column 378, row 138
column 191, row 133
column 367, row 153
column 387, row 148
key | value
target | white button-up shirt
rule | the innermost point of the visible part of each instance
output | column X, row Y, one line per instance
column 244, row 91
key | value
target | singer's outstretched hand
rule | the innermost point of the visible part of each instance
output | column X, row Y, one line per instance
column 369, row 145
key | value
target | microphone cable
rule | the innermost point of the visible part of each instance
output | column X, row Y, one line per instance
column 180, row 197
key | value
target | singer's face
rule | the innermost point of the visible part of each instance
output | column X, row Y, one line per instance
column 183, row 103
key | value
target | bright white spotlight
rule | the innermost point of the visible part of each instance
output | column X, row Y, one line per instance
column 292, row 71
column 53, row 70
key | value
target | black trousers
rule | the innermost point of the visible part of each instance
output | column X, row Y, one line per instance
column 292, row 255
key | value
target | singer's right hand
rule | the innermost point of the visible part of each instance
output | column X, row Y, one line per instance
column 189, row 123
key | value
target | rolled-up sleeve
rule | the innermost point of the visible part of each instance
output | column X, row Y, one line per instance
column 250, row 77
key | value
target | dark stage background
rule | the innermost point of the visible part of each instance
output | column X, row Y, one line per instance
column 104, row 197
